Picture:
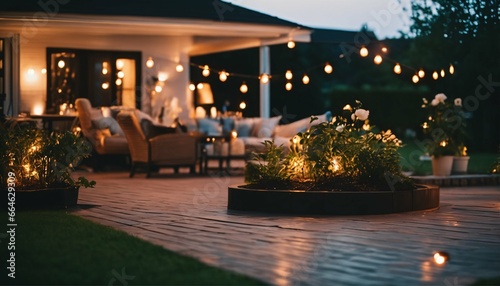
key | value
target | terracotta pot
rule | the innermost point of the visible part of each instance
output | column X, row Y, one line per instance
column 460, row 164
column 441, row 166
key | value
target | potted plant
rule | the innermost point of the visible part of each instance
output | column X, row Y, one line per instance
column 37, row 165
column 445, row 132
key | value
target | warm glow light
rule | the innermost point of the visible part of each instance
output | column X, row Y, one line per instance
column 105, row 68
column 38, row 109
column 162, row 76
column 363, row 52
column 377, row 59
column 244, row 88
column 328, row 68
column 291, row 44
column 234, row 134
column 105, row 85
column 441, row 257
column 243, row 105
column 415, row 78
column 31, row 72
column 104, row 71
column 442, row 73
column 179, row 68
column 305, row 79
column 443, row 143
column 347, row 107
column 199, row 86
column 384, row 50
column 192, row 87
column 366, row 126
column 335, row 165
column 158, row 88
column 223, row 76
column 120, row 64
column 425, row 125
column 435, row 75
column 61, row 64
column 206, row 71
column 464, row 151
column 288, row 86
column 452, row 69
column 289, row 75
column 44, row 71
column 120, row 74
column 397, row 69
column 264, row 78
column 421, row 73
column 118, row 81
column 150, row 63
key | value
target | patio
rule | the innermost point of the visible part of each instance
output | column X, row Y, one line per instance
column 188, row 215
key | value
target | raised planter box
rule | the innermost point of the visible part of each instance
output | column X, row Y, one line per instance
column 424, row 197
column 47, row 198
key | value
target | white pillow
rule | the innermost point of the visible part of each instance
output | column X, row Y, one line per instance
column 265, row 128
column 108, row 123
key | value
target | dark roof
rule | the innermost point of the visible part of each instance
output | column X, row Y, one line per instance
column 214, row 10
column 341, row 36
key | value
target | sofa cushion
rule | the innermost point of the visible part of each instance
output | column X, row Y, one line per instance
column 209, row 126
column 108, row 123
column 264, row 128
column 244, row 127
column 291, row 129
column 151, row 130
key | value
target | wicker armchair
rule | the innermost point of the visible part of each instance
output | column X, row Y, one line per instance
column 166, row 150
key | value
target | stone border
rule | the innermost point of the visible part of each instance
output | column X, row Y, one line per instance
column 424, row 197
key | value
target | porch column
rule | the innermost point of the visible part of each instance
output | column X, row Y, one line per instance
column 265, row 88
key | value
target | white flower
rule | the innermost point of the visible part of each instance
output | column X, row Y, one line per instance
column 353, row 116
column 458, row 102
column 362, row 114
column 347, row 107
column 340, row 128
column 435, row 102
column 440, row 97
column 424, row 100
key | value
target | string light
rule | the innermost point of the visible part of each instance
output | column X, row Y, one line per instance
column 158, row 88
column 118, row 81
column 452, row 69
column 377, row 59
column 264, row 78
column 120, row 64
column 291, row 44
column 384, row 50
column 435, row 75
column 421, row 73
column 162, row 76
column 199, row 86
column 397, row 68
column 243, row 105
column 415, row 78
column 223, row 76
column 289, row 75
column 244, row 88
column 288, row 86
column 305, row 79
column 328, row 68
column 120, row 74
column 179, row 68
column 192, row 87
column 105, row 85
column 363, row 52
column 61, row 64
column 442, row 73
column 150, row 63
column 206, row 71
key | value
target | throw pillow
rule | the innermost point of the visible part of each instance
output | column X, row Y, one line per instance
column 108, row 123
column 209, row 126
column 266, row 127
column 150, row 130
column 244, row 126
column 228, row 125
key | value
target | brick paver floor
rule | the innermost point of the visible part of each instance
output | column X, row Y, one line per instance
column 189, row 215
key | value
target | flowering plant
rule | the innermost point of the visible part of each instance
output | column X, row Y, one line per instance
column 445, row 126
column 341, row 154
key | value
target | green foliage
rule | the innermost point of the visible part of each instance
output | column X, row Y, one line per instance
column 39, row 159
column 268, row 168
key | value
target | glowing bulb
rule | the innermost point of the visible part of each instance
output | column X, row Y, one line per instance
column 289, row 75
column 421, row 73
column 150, row 63
column 397, row 69
column 415, row 78
column 206, row 71
column 244, row 88
column 31, row 72
column 192, row 87
column 38, row 109
column 120, row 64
column 305, row 79
column 441, row 257
column 442, row 73
column 243, row 105
column 162, row 76
column 435, row 75
column 44, row 71
column 223, row 76
column 118, row 81
column 234, row 134
column 384, row 50
column 199, row 86
column 264, row 78
column 452, row 69
column 291, row 44
column 105, row 85
column 104, row 71
column 61, row 64
column 377, row 59
column 363, row 52
column 120, row 74
column 158, row 88
column 179, row 68
column 328, row 68
column 288, row 86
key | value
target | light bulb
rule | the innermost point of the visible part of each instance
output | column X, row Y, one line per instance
column 397, row 69
column 377, row 59
column 120, row 74
column 415, row 78
column 206, row 71
column 150, row 63
column 31, row 72
column 162, row 76
column 199, row 86
column 384, row 50
column 243, row 105
column 363, row 52
column 118, row 81
column 192, row 87
column 305, row 79
column 289, row 75
column 44, row 71
column 120, row 64
column 435, row 75
column 158, row 88
column 61, row 64
column 328, row 68
column 421, row 73
column 264, row 78
column 179, row 68
column 244, row 88
column 223, row 76
column 288, row 86
column 442, row 73
column 105, row 85
column 291, row 44
column 452, row 69
column 104, row 71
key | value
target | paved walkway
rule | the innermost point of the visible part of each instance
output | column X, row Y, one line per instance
column 188, row 215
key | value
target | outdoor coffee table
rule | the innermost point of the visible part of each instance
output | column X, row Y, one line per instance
column 217, row 141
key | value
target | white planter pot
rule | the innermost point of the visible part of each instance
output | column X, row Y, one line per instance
column 460, row 164
column 441, row 166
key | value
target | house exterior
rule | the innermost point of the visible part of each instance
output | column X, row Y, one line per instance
column 160, row 36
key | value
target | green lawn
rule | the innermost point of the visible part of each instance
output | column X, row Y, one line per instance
column 54, row 247
column 479, row 163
